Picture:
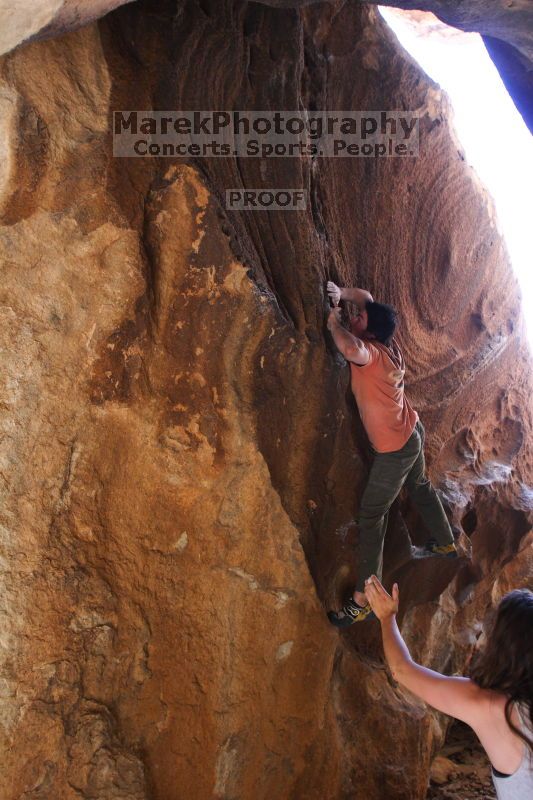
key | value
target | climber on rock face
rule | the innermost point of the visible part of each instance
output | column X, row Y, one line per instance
column 396, row 438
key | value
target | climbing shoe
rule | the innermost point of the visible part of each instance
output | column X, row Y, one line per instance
column 350, row 613
column 433, row 548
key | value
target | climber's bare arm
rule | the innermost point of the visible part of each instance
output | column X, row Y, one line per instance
column 459, row 697
column 352, row 348
column 358, row 296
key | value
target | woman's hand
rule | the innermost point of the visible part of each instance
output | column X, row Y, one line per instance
column 335, row 293
column 382, row 604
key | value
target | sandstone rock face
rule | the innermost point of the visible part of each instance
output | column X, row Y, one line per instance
column 507, row 29
column 181, row 458
column 22, row 22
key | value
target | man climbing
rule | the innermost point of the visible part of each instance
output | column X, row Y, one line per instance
column 396, row 438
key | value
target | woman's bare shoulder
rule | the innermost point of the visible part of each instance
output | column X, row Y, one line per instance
column 492, row 708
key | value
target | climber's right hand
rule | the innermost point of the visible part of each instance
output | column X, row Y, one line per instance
column 335, row 293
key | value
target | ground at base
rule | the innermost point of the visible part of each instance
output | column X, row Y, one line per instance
column 461, row 770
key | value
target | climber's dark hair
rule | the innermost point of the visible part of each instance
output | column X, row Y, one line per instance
column 382, row 320
column 506, row 664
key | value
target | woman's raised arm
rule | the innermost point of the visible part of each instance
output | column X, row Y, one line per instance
column 459, row 697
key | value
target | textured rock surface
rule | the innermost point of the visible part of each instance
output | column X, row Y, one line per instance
column 23, row 22
column 181, row 460
column 507, row 29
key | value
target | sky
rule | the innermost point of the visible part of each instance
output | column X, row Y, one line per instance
column 460, row 64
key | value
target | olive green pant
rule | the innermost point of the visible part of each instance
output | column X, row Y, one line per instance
column 389, row 472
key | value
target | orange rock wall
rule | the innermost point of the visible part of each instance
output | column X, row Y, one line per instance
column 181, row 457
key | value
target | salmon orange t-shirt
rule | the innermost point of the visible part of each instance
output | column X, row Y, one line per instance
column 378, row 388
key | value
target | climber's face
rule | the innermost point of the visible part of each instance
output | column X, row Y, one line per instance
column 359, row 323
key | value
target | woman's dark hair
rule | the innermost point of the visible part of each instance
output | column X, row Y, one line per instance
column 382, row 320
column 506, row 664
